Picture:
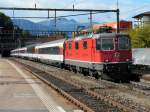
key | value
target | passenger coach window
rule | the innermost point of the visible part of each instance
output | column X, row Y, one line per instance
column 124, row 43
column 76, row 45
column 85, row 44
column 49, row 50
column 107, row 44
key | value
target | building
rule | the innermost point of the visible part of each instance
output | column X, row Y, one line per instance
column 142, row 19
column 125, row 26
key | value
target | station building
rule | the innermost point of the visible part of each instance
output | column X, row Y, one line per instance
column 142, row 19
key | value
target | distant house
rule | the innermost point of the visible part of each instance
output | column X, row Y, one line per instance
column 125, row 26
column 142, row 19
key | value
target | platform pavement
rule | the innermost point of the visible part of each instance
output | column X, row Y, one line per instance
column 21, row 93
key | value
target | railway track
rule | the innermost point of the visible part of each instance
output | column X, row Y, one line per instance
column 141, row 85
column 100, row 95
column 92, row 101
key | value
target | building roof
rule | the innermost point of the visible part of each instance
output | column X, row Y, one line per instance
column 123, row 24
column 142, row 14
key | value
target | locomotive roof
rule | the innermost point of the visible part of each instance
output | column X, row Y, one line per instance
column 92, row 35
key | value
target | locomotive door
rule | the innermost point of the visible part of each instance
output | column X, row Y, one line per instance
column 86, row 50
column 93, row 50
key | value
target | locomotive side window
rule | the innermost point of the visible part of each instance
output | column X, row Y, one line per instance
column 98, row 44
column 85, row 44
column 124, row 43
column 70, row 46
column 107, row 44
column 76, row 45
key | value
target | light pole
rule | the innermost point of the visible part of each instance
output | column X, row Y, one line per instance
column 117, row 4
column 118, row 15
column 1, row 39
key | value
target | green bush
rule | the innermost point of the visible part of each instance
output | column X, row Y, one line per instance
column 140, row 37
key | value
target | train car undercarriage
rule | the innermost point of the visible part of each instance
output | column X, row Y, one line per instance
column 119, row 72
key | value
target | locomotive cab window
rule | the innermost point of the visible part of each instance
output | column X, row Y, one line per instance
column 124, row 43
column 76, row 45
column 107, row 44
column 85, row 44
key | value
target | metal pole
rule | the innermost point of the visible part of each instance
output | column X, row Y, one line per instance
column 91, row 24
column 117, row 4
column 118, row 21
column 55, row 20
column 0, row 41
column 50, row 9
column 1, row 48
column 48, row 13
column 13, row 25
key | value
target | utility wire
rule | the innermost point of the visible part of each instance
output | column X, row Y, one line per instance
column 136, row 9
column 60, row 16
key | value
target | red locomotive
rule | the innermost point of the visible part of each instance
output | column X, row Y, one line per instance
column 100, row 55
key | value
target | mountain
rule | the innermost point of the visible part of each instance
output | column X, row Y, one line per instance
column 62, row 24
column 29, row 25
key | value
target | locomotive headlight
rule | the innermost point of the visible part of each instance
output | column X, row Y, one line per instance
column 106, row 60
column 127, row 59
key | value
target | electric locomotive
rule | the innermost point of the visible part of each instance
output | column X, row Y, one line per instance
column 106, row 55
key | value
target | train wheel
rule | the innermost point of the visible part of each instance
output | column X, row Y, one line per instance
column 78, row 69
column 135, row 77
column 91, row 73
column 106, row 76
column 74, row 70
column 85, row 72
column 95, row 74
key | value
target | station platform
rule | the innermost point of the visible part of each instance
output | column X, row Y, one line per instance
column 20, row 91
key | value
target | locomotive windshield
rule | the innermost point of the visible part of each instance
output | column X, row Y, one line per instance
column 124, row 43
column 104, row 44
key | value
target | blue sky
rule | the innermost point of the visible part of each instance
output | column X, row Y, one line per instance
column 128, row 8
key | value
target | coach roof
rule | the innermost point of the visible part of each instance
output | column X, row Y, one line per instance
column 52, row 43
column 18, row 49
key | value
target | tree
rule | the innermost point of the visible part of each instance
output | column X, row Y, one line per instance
column 140, row 37
column 5, row 22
